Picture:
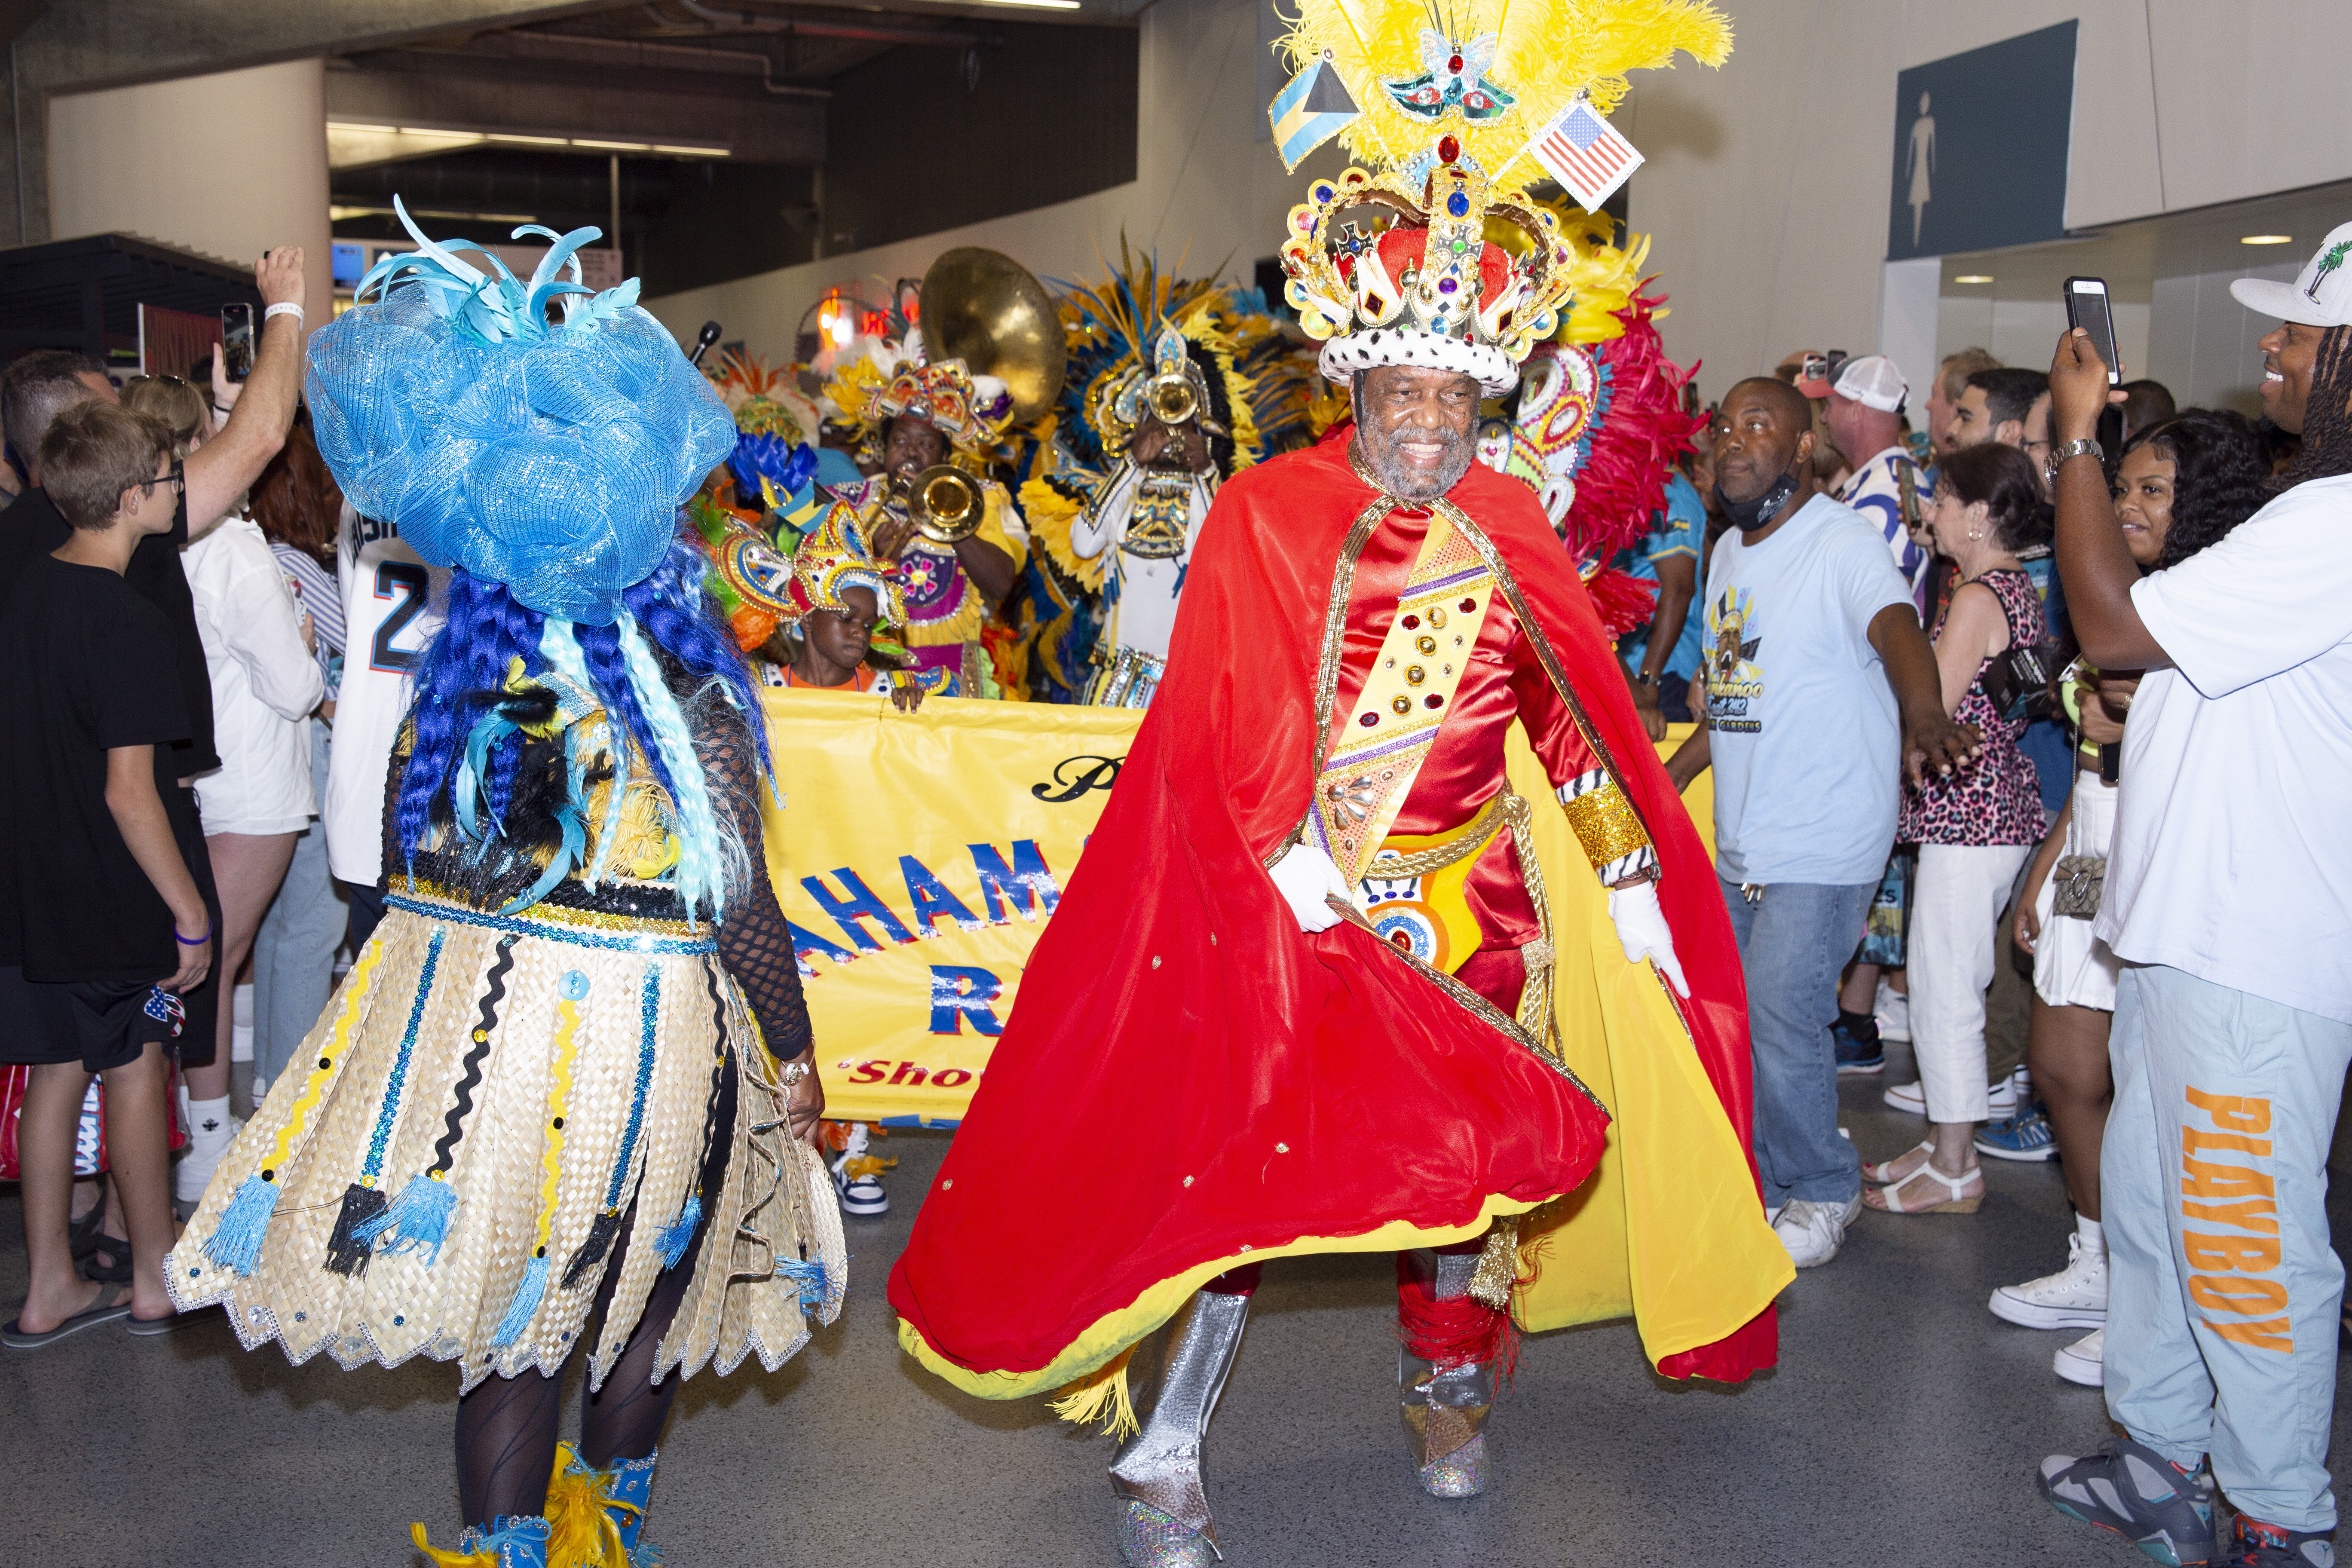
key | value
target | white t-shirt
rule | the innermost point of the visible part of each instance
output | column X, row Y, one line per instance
column 1804, row 739
column 2231, row 859
column 389, row 618
column 264, row 683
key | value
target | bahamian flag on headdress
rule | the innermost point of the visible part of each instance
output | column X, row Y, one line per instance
column 1312, row 109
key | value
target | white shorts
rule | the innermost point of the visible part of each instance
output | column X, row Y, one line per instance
column 2071, row 968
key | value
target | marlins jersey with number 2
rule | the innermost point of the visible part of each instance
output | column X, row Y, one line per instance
column 387, row 607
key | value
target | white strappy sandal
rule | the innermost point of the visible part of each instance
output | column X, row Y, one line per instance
column 1962, row 1195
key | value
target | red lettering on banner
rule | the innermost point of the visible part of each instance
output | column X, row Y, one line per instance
column 2232, row 1112
column 909, row 1076
column 951, row 1077
column 868, row 1072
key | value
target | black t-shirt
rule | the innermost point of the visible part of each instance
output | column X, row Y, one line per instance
column 33, row 527
column 85, row 665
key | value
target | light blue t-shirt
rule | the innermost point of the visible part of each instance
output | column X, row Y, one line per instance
column 1806, row 744
column 1678, row 530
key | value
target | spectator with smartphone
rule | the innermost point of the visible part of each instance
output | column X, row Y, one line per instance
column 2228, row 898
column 2180, row 488
column 98, row 907
column 34, row 390
column 1820, row 692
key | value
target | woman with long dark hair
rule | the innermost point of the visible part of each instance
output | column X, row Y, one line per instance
column 560, row 1098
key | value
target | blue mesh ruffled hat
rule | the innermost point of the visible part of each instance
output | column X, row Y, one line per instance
column 548, row 454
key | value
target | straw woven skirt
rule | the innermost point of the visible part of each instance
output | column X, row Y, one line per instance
column 444, row 1167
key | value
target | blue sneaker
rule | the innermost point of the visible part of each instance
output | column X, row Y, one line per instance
column 1855, row 1057
column 2027, row 1135
column 2133, row 1492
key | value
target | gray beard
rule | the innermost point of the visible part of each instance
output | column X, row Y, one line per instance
column 1404, row 483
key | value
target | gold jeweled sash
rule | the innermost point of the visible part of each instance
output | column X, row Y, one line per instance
column 1372, row 767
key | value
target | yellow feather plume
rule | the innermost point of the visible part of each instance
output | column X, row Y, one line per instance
column 1546, row 51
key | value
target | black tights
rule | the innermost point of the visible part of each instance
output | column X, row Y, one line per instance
column 507, row 1426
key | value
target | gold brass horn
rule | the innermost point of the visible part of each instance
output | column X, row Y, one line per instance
column 985, row 309
column 1173, row 398
column 945, row 504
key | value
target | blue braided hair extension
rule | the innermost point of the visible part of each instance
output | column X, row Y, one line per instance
column 459, row 673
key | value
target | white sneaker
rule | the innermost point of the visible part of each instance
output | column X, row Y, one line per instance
column 207, row 1141
column 2073, row 1297
column 2001, row 1100
column 1813, row 1232
column 2083, row 1362
column 1893, row 1011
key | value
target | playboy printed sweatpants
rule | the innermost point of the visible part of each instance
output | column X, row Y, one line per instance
column 2222, row 1290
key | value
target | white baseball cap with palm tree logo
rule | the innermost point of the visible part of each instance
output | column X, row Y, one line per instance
column 2321, row 295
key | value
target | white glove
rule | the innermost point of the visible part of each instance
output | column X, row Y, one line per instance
column 1643, row 931
column 1305, row 877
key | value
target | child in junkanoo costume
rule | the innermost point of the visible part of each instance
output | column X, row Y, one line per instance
column 557, row 1096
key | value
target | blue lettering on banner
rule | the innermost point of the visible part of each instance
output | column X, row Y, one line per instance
column 931, row 899
column 963, row 991
column 807, row 944
column 862, row 904
column 1025, row 884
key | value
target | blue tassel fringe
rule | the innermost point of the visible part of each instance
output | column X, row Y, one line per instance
column 526, row 1302
column 236, row 1242
column 678, row 1234
column 417, row 1221
column 816, row 1288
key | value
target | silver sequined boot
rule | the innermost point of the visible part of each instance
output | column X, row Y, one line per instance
column 1446, row 1409
column 1158, row 1470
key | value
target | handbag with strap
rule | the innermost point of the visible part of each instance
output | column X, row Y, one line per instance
column 2078, row 880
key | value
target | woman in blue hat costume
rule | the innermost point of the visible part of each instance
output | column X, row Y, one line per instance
column 556, row 1102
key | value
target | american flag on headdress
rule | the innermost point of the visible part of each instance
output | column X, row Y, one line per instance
column 1585, row 154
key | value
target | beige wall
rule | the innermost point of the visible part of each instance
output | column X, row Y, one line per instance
column 228, row 165
column 1208, row 191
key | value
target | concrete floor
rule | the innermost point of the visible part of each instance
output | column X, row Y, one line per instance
column 1901, row 1425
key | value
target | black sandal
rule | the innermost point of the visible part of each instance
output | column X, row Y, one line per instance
column 115, row 1273
column 84, row 1232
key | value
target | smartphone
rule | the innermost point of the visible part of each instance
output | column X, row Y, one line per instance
column 236, row 341
column 1813, row 367
column 2086, row 307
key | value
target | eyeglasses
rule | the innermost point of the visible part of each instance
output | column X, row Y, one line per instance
column 178, row 476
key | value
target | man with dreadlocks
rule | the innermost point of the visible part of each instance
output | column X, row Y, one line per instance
column 2228, row 897
column 554, row 1105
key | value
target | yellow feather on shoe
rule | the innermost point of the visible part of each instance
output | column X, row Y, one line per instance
column 1101, row 1396
column 579, row 1505
column 449, row 1559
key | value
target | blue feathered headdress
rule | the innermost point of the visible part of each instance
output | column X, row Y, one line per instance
column 550, row 455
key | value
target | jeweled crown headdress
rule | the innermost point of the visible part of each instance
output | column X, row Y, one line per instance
column 1433, row 256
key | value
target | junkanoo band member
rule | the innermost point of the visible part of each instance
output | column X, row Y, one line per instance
column 555, row 1100
column 1310, row 967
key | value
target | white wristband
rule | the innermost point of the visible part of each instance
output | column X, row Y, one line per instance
column 283, row 308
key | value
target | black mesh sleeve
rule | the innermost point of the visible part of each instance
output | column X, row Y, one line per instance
column 754, row 942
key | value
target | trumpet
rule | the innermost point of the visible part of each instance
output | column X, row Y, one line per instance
column 1173, row 398
column 944, row 502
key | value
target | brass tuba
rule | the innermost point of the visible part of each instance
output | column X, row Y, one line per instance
column 944, row 503
column 985, row 309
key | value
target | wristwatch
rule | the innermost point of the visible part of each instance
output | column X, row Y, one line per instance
column 2083, row 446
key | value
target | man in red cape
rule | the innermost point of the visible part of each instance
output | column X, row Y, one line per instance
column 1309, row 970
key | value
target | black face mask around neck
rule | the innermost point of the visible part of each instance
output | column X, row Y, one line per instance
column 1747, row 516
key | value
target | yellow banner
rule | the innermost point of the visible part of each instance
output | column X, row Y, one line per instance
column 919, row 857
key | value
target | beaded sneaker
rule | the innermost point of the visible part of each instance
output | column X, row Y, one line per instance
column 2261, row 1545
column 2131, row 1491
column 2073, row 1297
column 2027, row 1135
column 1854, row 1056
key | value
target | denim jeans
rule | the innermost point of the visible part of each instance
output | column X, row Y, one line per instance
column 1793, row 942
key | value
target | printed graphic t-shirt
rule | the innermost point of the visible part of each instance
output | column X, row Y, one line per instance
column 388, row 619
column 2231, row 860
column 1875, row 490
column 1677, row 530
column 1806, row 744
